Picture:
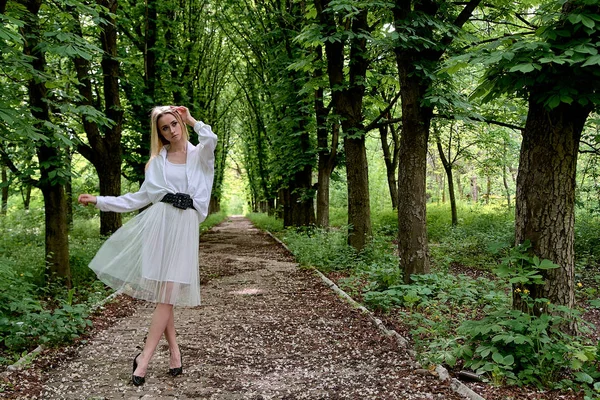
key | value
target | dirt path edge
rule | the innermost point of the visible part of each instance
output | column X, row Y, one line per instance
column 442, row 373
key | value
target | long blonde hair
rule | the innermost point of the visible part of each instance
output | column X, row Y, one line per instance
column 157, row 141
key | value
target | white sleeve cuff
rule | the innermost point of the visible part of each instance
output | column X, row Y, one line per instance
column 99, row 203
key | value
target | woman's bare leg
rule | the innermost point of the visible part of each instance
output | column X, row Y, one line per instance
column 170, row 335
column 160, row 320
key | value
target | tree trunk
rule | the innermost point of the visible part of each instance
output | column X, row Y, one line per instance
column 545, row 199
column 111, row 181
column 4, row 190
column 300, row 204
column 357, row 175
column 56, row 233
column 69, row 190
column 474, row 189
column 104, row 150
column 26, row 195
column 448, row 168
column 412, row 228
column 347, row 99
column 416, row 119
column 57, row 243
column 214, row 206
column 323, row 184
column 506, row 188
column 488, row 191
column 444, row 190
column 459, row 186
column 327, row 153
column 391, row 160
column 143, row 97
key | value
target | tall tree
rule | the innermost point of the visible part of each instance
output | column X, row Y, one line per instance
column 424, row 31
column 328, row 135
column 48, row 153
column 104, row 148
column 347, row 92
column 556, row 70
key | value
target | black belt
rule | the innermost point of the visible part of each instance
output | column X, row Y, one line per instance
column 179, row 200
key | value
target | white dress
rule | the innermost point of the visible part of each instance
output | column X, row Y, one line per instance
column 154, row 256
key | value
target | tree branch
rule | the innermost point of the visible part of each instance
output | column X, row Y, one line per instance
column 593, row 149
column 374, row 123
column 486, row 120
column 386, row 122
column 15, row 170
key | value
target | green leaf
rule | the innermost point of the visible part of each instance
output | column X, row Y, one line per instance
column 594, row 60
column 498, row 358
column 553, row 101
column 588, row 22
column 583, row 377
column 547, row 264
column 574, row 18
column 522, row 68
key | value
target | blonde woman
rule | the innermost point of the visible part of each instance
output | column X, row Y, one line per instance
column 154, row 256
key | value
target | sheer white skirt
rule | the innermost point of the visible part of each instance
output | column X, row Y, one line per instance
column 154, row 257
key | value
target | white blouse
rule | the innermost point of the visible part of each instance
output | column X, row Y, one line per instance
column 175, row 175
column 199, row 170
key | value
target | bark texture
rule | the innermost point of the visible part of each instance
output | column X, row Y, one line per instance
column 347, row 99
column 56, row 233
column 327, row 154
column 545, row 199
column 104, row 150
column 416, row 120
column 412, row 229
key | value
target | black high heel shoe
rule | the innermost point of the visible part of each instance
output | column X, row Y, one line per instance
column 137, row 380
column 177, row 371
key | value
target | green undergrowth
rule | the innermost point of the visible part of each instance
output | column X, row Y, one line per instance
column 34, row 311
column 466, row 321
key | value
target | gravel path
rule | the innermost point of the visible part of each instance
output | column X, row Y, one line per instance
column 266, row 330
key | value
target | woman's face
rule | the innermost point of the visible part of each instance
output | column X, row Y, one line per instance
column 170, row 128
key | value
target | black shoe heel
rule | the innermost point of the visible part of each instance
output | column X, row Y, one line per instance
column 176, row 371
column 137, row 380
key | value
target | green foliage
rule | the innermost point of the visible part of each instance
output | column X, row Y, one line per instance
column 327, row 250
column 555, row 65
column 458, row 320
column 520, row 268
column 31, row 311
column 524, row 348
column 266, row 222
column 470, row 242
column 514, row 347
column 434, row 290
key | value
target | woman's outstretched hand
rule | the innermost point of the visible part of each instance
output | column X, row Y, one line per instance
column 185, row 115
column 86, row 199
